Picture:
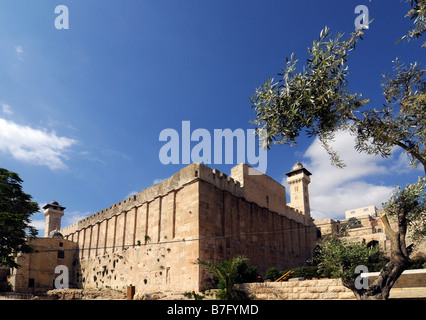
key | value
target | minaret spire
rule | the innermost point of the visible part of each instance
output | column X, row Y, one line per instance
column 299, row 179
column 53, row 213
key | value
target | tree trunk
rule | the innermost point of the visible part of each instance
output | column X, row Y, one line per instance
column 399, row 261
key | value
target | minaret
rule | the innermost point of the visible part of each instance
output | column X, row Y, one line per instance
column 298, row 179
column 53, row 213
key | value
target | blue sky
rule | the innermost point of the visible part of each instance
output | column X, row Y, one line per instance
column 81, row 109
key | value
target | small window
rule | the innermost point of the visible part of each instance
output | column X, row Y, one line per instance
column 61, row 244
column 365, row 209
column 31, row 283
column 61, row 254
column 267, row 201
column 353, row 211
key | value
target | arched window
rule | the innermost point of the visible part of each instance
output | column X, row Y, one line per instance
column 372, row 244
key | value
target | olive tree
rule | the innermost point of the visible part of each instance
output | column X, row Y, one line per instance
column 339, row 258
column 317, row 101
column 336, row 257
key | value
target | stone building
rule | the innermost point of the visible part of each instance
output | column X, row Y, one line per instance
column 361, row 212
column 37, row 270
column 153, row 240
column 361, row 225
column 365, row 225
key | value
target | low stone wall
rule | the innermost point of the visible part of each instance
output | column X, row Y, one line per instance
column 322, row 289
column 415, row 278
column 410, row 285
column 80, row 294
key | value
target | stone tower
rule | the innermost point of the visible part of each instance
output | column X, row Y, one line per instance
column 53, row 213
column 298, row 179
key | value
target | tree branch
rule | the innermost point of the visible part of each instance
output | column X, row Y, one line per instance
column 413, row 153
column 388, row 229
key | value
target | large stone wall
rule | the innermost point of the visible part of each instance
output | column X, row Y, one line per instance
column 152, row 240
column 146, row 246
column 232, row 225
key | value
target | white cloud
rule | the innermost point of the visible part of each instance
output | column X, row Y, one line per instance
column 333, row 190
column 41, row 205
column 334, row 203
column 19, row 51
column 157, row 181
column 401, row 164
column 39, row 225
column 6, row 109
column 359, row 165
column 133, row 193
column 73, row 217
column 33, row 146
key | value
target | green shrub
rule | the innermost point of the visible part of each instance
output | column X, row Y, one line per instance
column 5, row 287
column 239, row 295
column 245, row 272
column 419, row 263
column 307, row 272
column 272, row 274
column 228, row 273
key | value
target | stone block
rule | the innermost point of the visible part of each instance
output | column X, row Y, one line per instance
column 327, row 282
column 293, row 296
column 328, row 296
column 309, row 296
column 346, row 295
column 290, row 284
column 295, row 279
column 308, row 283
column 299, row 289
column 261, row 296
column 336, row 289
column 317, row 289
